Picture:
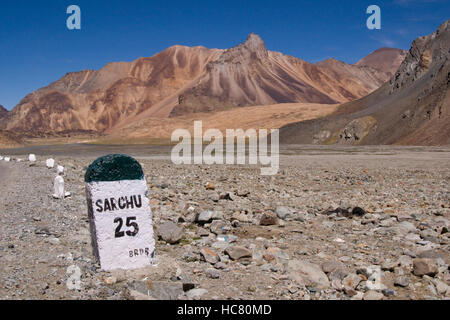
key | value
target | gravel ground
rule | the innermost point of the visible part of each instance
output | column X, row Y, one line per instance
column 369, row 223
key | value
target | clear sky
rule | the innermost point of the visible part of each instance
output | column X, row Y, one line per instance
column 36, row 48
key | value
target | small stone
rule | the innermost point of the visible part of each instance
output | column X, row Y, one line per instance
column 238, row 252
column 235, row 223
column 308, row 274
column 189, row 256
column 196, row 293
column 201, row 232
column 389, row 265
column 213, row 196
column 405, row 261
column 210, row 186
column 351, row 281
column 424, row 266
column 269, row 257
column 209, row 256
column 441, row 287
column 226, row 196
column 212, row 273
column 373, row 295
column 220, row 265
column 283, row 212
column 389, row 292
column 358, row 212
column 402, row 281
column 268, row 219
column 205, row 216
column 159, row 290
column 220, row 227
column 170, row 232
column 110, row 280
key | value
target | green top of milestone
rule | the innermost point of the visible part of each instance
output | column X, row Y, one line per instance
column 114, row 167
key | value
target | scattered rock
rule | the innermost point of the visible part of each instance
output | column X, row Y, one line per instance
column 358, row 212
column 283, row 212
column 308, row 274
column 402, row 281
column 268, row 219
column 238, row 252
column 210, row 186
column 209, row 256
column 424, row 266
column 159, row 290
column 205, row 216
column 212, row 273
column 373, row 295
column 170, row 232
column 196, row 293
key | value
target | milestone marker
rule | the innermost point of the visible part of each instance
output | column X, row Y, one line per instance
column 119, row 213
column 50, row 163
column 58, row 187
column 32, row 158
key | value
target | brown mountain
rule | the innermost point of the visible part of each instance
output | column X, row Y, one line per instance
column 386, row 60
column 98, row 100
column 3, row 111
column 183, row 80
column 412, row 108
column 249, row 74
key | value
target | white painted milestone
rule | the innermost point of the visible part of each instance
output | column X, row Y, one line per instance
column 60, row 169
column 50, row 163
column 7, row 159
column 120, row 214
column 32, row 158
column 58, row 188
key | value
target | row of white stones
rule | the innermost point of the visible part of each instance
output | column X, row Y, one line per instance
column 58, row 185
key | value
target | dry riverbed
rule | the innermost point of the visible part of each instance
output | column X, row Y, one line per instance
column 334, row 223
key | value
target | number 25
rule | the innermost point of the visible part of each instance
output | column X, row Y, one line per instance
column 120, row 234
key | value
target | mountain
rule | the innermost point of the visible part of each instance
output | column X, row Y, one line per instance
column 98, row 100
column 249, row 74
column 386, row 60
column 185, row 80
column 3, row 111
column 413, row 108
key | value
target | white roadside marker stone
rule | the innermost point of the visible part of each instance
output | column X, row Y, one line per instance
column 32, row 158
column 7, row 159
column 50, row 163
column 58, row 188
column 60, row 169
column 1, row 158
column 119, row 213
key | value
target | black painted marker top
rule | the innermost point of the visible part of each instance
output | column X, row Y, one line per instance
column 114, row 167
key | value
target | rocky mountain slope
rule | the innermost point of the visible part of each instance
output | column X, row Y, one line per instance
column 97, row 100
column 3, row 111
column 412, row 108
column 182, row 80
column 249, row 74
column 384, row 59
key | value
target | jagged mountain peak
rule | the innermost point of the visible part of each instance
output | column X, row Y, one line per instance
column 255, row 43
column 3, row 111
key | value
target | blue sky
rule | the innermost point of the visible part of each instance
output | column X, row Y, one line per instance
column 36, row 48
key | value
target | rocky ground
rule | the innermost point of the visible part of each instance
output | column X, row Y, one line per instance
column 333, row 224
